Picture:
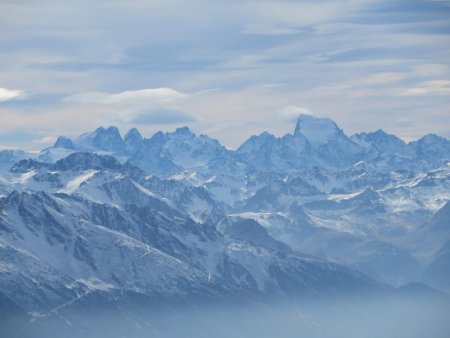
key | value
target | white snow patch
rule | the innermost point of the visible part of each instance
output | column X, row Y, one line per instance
column 75, row 183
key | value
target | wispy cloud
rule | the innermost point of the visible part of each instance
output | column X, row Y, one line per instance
column 8, row 94
column 385, row 78
column 431, row 70
column 144, row 106
column 435, row 87
column 159, row 116
column 291, row 113
column 153, row 96
column 46, row 140
column 268, row 29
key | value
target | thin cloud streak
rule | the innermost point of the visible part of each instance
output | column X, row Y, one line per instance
column 132, row 97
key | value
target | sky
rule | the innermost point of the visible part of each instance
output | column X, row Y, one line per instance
column 226, row 68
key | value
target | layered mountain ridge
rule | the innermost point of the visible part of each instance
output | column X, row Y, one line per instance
column 314, row 142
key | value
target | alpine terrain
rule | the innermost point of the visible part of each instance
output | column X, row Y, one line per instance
column 110, row 224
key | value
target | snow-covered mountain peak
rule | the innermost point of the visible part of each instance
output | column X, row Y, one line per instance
column 64, row 142
column 26, row 165
column 184, row 131
column 74, row 162
column 110, row 134
column 430, row 139
column 157, row 138
column 100, row 133
column 316, row 129
column 102, row 139
column 84, row 161
column 256, row 142
column 106, row 139
column 133, row 140
column 380, row 140
column 110, row 130
column 133, row 135
column 379, row 136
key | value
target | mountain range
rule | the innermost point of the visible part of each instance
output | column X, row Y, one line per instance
column 179, row 216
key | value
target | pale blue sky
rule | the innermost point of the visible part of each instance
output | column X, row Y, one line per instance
column 225, row 68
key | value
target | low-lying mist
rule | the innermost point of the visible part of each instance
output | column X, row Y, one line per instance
column 399, row 315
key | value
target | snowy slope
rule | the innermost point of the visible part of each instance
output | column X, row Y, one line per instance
column 88, row 222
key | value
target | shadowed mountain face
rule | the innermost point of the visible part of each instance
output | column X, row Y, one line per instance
column 105, row 222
